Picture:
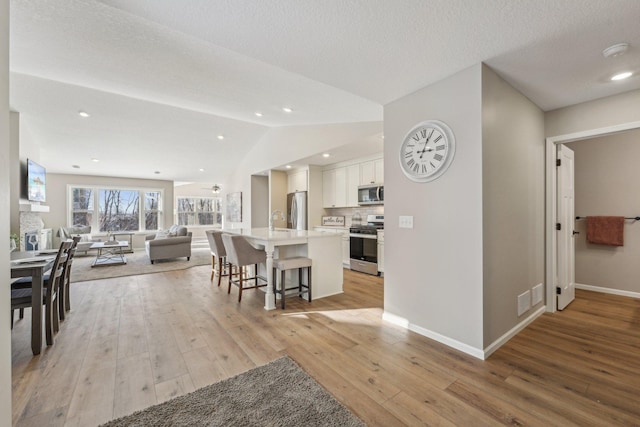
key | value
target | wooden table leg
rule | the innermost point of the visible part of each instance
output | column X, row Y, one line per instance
column 36, row 310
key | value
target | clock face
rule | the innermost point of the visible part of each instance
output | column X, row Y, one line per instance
column 427, row 151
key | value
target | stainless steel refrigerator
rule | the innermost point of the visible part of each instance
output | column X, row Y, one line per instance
column 297, row 210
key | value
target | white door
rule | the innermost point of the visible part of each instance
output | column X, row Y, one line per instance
column 566, row 220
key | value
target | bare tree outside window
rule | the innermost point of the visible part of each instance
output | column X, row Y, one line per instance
column 199, row 210
column 152, row 200
column 82, row 206
column 119, row 210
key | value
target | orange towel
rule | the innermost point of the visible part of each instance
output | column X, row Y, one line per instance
column 605, row 230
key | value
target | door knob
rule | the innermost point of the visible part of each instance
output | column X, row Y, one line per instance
column 575, row 232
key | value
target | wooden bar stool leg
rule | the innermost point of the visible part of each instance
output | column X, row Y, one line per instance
column 309, row 282
column 282, row 288
column 213, row 267
column 241, row 286
column 230, row 277
column 220, row 270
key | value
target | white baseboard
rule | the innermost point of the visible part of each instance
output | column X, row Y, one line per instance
column 475, row 352
column 513, row 332
column 401, row 321
column 607, row 290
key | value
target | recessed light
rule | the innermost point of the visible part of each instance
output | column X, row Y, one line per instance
column 157, row 172
column 201, row 170
column 258, row 113
column 84, row 114
column 622, row 76
column 287, row 109
column 95, row 160
column 221, row 137
column 288, row 166
column 326, row 155
column 75, row 166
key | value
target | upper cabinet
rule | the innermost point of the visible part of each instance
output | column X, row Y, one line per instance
column 297, row 181
column 340, row 181
column 372, row 172
column 334, row 188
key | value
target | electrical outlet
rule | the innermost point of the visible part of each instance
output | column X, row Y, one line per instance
column 524, row 303
column 406, row 221
column 536, row 294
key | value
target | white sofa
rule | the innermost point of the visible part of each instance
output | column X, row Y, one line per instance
column 174, row 243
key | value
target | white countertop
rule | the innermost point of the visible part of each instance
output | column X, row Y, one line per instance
column 278, row 234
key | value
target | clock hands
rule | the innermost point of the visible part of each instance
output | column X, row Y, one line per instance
column 425, row 149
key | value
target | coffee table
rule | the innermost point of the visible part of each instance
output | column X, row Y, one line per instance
column 109, row 253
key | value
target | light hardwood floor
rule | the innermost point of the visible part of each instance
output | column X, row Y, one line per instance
column 135, row 341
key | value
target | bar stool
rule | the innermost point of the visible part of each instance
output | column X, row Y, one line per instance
column 285, row 264
column 241, row 253
column 217, row 251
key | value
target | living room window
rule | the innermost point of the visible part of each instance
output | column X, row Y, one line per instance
column 199, row 211
column 118, row 209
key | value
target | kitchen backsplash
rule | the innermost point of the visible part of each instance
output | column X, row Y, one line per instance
column 349, row 213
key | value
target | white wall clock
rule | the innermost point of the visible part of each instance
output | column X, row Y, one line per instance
column 427, row 151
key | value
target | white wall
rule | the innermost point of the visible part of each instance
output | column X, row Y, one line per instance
column 57, row 198
column 5, row 297
column 433, row 272
column 14, row 171
column 513, row 202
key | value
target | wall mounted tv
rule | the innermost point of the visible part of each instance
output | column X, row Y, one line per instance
column 36, row 182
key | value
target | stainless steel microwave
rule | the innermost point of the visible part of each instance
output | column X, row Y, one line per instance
column 372, row 194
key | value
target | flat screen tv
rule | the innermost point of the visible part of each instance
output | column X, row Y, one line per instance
column 36, row 182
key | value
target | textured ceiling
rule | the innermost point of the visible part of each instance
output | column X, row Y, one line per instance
column 161, row 74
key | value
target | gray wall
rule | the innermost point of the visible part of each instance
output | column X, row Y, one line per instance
column 606, row 170
column 57, row 198
column 260, row 201
column 433, row 272
column 609, row 111
column 513, row 202
column 5, row 297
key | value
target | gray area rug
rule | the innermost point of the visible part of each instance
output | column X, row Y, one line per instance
column 137, row 263
column 279, row 393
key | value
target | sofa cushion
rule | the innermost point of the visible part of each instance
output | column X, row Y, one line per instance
column 181, row 230
column 161, row 234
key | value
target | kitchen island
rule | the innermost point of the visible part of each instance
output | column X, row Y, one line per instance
column 324, row 249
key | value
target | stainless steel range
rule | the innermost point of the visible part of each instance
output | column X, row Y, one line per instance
column 364, row 245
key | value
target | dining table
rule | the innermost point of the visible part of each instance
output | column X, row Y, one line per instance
column 33, row 264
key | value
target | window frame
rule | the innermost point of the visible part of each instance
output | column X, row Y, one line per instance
column 196, row 211
column 95, row 217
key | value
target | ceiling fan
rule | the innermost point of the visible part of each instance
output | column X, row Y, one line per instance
column 215, row 188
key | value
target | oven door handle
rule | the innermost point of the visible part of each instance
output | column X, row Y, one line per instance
column 363, row 236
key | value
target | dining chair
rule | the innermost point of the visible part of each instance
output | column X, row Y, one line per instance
column 64, row 300
column 21, row 296
column 242, row 254
column 217, row 251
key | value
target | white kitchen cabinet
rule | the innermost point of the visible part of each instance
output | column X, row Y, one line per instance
column 372, row 172
column 297, row 181
column 334, row 188
column 381, row 251
column 353, row 180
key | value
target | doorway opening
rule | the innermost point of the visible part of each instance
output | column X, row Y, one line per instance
column 551, row 246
